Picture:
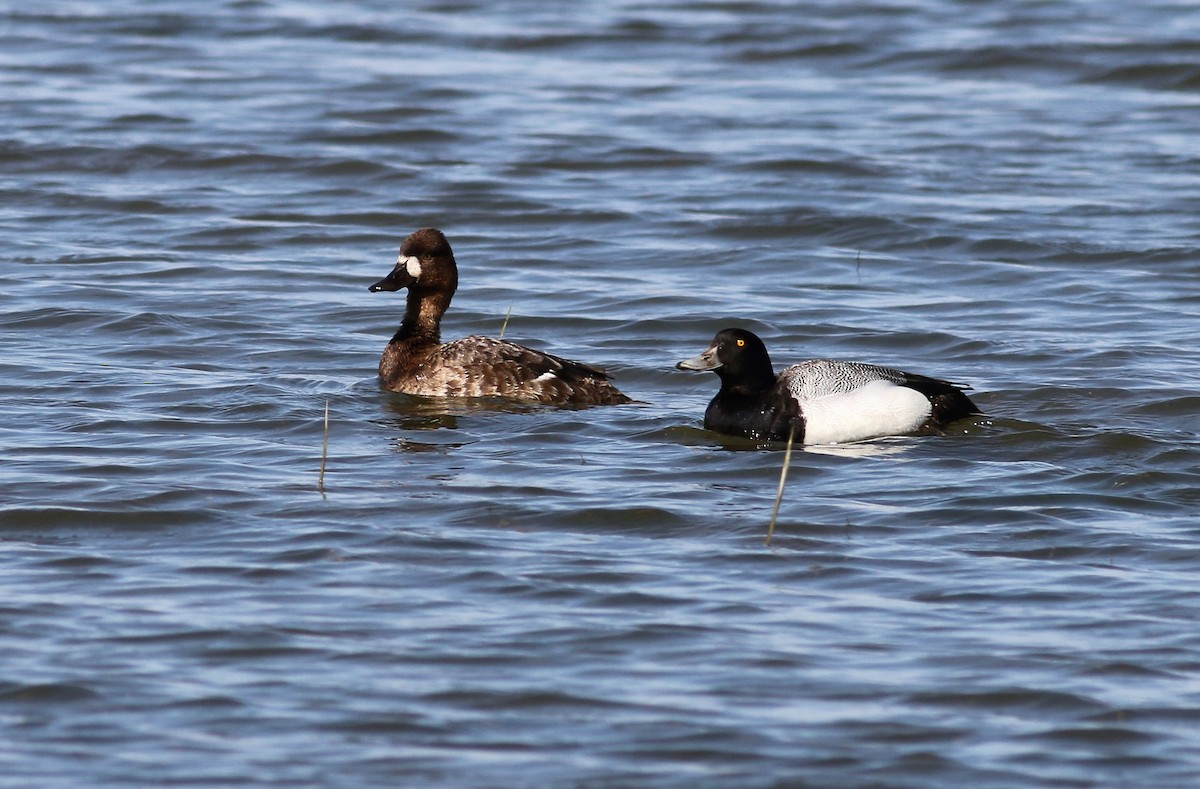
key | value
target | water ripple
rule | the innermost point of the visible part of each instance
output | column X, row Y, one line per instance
column 481, row 593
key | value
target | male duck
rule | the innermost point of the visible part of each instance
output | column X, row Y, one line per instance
column 416, row 362
column 824, row 401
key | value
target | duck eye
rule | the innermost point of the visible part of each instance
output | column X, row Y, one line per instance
column 741, row 343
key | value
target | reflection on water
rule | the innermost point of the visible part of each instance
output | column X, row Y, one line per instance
column 879, row 448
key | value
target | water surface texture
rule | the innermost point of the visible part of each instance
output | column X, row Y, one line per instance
column 197, row 194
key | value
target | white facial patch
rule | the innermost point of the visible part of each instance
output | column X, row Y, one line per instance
column 411, row 265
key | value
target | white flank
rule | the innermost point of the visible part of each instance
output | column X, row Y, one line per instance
column 880, row 408
column 545, row 377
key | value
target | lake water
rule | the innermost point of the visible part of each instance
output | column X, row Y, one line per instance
column 196, row 196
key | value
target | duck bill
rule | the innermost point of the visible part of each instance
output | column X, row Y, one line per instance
column 704, row 362
column 397, row 280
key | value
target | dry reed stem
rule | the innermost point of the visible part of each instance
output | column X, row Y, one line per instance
column 787, row 461
column 504, row 325
column 324, row 450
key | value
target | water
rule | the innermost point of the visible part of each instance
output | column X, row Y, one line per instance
column 196, row 195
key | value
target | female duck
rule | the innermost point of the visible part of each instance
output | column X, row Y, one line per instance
column 416, row 362
column 822, row 400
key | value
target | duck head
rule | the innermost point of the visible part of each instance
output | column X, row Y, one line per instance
column 425, row 259
column 738, row 356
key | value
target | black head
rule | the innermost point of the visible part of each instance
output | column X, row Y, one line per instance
column 739, row 357
column 425, row 259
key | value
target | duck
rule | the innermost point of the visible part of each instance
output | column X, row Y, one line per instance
column 824, row 401
column 417, row 362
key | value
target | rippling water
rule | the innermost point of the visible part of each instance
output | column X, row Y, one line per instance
column 196, row 195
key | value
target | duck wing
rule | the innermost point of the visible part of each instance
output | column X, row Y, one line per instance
column 490, row 367
column 817, row 378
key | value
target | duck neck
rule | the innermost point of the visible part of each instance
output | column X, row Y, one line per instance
column 752, row 385
column 422, row 321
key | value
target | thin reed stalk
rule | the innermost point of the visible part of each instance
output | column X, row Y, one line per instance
column 324, row 450
column 504, row 325
column 787, row 461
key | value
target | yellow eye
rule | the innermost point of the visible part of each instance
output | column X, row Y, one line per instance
column 741, row 343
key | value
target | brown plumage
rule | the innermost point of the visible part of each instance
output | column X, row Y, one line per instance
column 416, row 361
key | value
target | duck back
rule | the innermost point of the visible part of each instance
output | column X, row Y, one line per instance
column 852, row 401
column 478, row 366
